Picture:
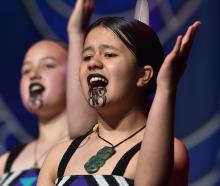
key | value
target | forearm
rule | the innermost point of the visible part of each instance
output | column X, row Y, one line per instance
column 156, row 155
column 81, row 117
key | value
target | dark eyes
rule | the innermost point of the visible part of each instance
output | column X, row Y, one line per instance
column 25, row 71
column 49, row 65
column 110, row 55
column 106, row 55
column 87, row 58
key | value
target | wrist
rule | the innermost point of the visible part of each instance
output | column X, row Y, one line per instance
column 168, row 86
column 75, row 34
column 166, row 90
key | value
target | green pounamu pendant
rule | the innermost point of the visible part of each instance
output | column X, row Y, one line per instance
column 98, row 160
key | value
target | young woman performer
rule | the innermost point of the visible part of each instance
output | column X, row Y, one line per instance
column 122, row 65
column 43, row 91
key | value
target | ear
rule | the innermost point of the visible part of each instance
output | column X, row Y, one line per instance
column 145, row 76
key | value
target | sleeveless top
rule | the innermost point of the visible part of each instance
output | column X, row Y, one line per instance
column 26, row 177
column 115, row 179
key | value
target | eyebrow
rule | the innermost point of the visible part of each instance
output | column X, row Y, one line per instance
column 48, row 57
column 104, row 46
column 42, row 59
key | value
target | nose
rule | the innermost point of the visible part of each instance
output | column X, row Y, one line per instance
column 95, row 63
column 35, row 74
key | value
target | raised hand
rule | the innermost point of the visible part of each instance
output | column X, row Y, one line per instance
column 78, row 22
column 175, row 62
column 80, row 16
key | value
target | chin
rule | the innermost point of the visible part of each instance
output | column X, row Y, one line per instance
column 43, row 113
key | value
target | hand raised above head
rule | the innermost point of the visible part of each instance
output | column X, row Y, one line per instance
column 175, row 62
column 80, row 16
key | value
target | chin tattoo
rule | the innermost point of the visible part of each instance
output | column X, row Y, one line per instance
column 97, row 96
column 36, row 102
column 97, row 90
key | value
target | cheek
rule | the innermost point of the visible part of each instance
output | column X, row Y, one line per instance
column 57, row 83
column 24, row 89
column 123, row 83
column 123, row 75
column 24, row 92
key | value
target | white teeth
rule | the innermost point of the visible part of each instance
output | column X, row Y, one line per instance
column 93, row 79
column 35, row 87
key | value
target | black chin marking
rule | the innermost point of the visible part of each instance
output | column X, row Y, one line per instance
column 36, row 102
column 97, row 97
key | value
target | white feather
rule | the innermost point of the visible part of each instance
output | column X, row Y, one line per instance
column 142, row 11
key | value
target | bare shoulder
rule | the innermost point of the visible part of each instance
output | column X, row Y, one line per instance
column 61, row 147
column 55, row 155
column 181, row 164
column 49, row 169
column 181, row 155
column 3, row 159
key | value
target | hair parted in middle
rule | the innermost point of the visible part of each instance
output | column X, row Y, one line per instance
column 139, row 38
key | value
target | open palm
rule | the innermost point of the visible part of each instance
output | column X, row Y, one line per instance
column 80, row 16
column 175, row 62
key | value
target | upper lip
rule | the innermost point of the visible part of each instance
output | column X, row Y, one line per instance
column 36, row 88
column 96, row 80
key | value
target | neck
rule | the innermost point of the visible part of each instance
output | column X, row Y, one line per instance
column 121, row 125
column 54, row 128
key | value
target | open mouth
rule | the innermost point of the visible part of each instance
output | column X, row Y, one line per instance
column 97, row 90
column 97, row 80
column 36, row 89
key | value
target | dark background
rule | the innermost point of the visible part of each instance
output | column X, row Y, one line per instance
column 198, row 114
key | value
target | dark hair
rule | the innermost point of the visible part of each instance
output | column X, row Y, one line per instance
column 139, row 38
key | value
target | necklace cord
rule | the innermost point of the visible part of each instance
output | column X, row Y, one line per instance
column 98, row 160
column 37, row 159
column 114, row 146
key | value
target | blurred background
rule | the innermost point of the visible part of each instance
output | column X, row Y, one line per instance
column 24, row 22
